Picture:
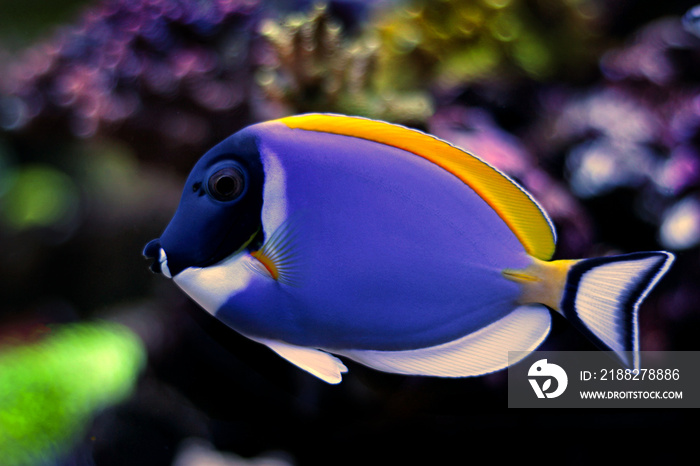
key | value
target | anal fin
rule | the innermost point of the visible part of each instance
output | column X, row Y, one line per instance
column 475, row 354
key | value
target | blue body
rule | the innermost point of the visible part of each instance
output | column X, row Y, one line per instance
column 391, row 252
column 310, row 236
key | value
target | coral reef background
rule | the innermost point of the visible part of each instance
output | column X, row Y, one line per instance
column 593, row 106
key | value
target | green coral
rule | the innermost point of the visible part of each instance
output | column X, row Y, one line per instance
column 316, row 68
column 50, row 390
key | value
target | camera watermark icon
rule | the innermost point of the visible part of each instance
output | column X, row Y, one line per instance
column 545, row 372
column 596, row 379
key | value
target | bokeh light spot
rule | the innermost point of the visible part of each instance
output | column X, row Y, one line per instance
column 680, row 228
column 38, row 196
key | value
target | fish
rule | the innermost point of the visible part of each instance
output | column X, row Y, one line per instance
column 326, row 236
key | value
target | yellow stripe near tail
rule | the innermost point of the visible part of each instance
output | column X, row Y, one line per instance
column 542, row 282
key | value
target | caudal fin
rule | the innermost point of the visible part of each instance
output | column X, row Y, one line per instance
column 602, row 296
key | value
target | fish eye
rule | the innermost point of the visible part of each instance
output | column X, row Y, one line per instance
column 226, row 184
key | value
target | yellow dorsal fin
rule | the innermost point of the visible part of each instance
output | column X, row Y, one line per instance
column 514, row 205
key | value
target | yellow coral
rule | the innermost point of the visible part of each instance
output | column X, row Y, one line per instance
column 316, row 68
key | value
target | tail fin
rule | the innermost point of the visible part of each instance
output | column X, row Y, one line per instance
column 602, row 296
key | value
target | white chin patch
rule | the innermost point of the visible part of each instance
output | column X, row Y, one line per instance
column 212, row 286
column 163, row 260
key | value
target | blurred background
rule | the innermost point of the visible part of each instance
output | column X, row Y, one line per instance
column 593, row 106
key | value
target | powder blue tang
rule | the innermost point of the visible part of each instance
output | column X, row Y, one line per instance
column 318, row 234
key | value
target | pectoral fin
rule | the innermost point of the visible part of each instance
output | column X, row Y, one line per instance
column 278, row 258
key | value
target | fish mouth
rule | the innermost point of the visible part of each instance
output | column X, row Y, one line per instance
column 153, row 250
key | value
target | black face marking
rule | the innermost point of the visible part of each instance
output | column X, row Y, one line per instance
column 226, row 184
column 220, row 208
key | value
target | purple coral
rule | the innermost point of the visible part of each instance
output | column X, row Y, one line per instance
column 146, row 66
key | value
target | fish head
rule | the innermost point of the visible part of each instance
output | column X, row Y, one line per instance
column 219, row 212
